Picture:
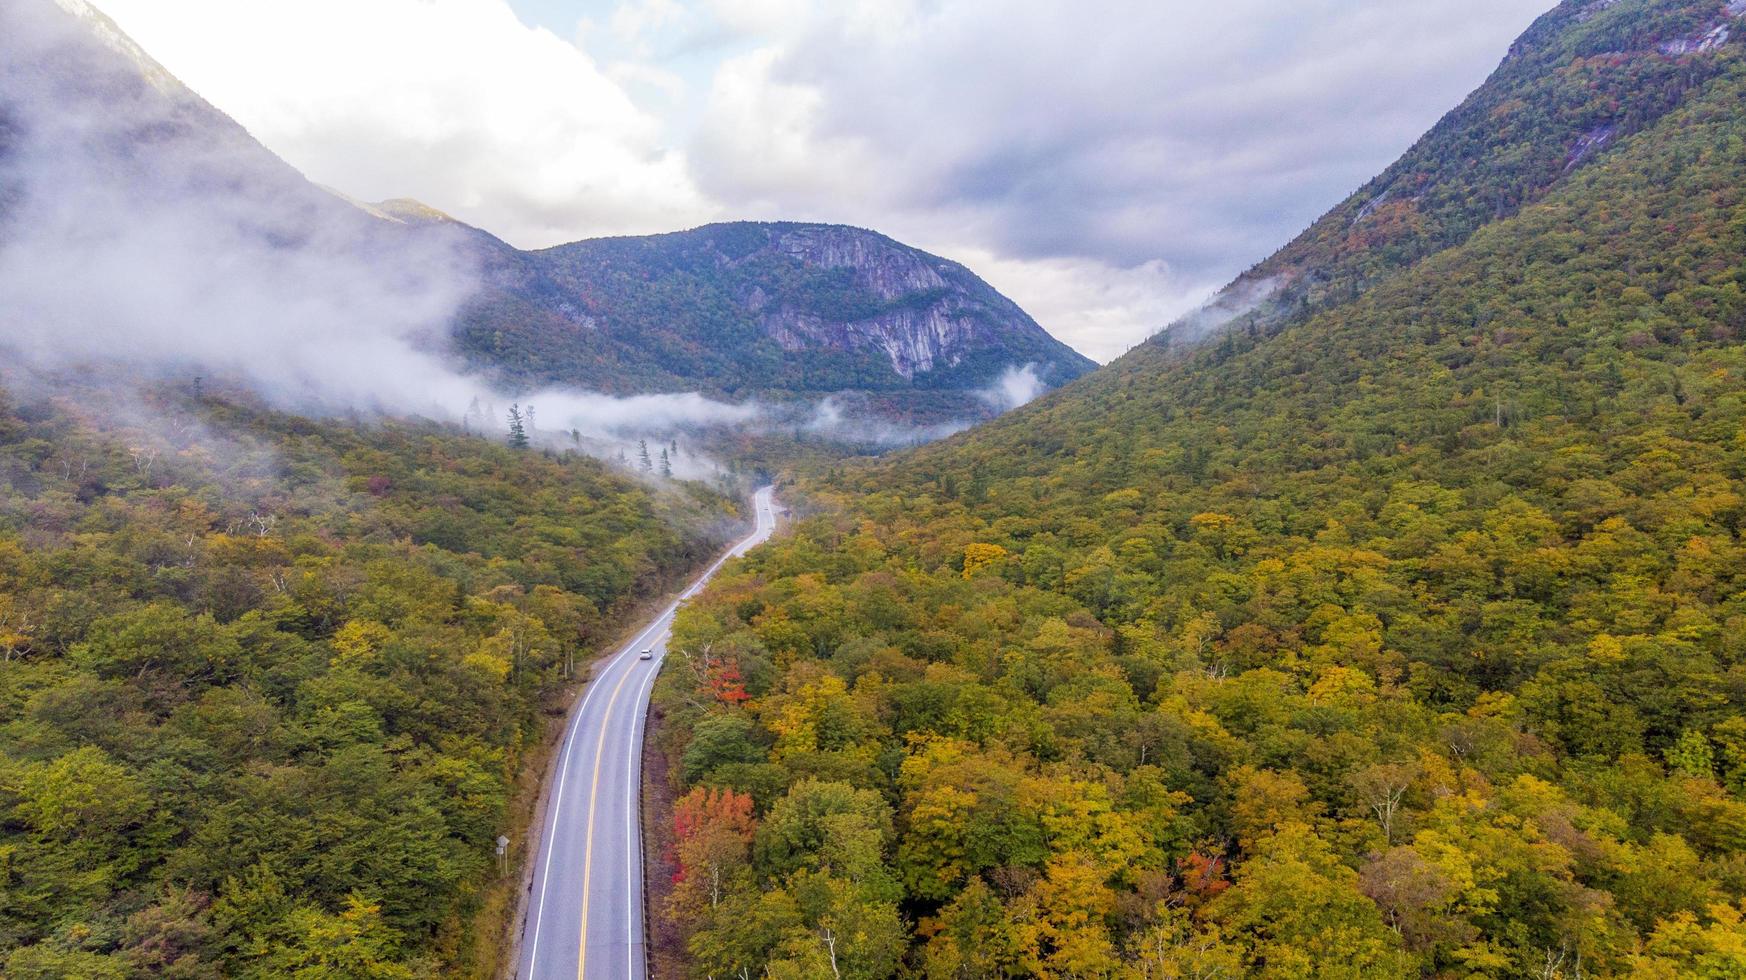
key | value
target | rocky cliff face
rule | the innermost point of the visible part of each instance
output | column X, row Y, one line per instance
column 879, row 265
column 940, row 312
column 914, row 342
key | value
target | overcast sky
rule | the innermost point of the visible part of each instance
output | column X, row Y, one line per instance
column 1107, row 163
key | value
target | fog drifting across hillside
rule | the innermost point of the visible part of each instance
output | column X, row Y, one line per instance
column 1239, row 299
column 143, row 230
column 148, row 230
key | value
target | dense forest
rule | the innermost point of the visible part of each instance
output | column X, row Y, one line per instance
column 265, row 682
column 1403, row 636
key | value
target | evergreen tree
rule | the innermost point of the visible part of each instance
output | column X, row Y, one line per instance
column 643, row 456
column 517, row 428
column 666, row 464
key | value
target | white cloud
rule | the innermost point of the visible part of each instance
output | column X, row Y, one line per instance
column 1132, row 154
column 1015, row 387
column 757, row 18
column 635, row 20
column 763, row 140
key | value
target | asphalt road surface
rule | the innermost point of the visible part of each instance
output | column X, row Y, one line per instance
column 585, row 911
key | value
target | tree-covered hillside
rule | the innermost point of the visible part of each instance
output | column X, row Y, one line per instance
column 1398, row 637
column 751, row 307
column 265, row 682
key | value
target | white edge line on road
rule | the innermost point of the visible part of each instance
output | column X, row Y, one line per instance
column 633, row 772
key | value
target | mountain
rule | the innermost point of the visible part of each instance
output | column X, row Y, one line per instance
column 1385, row 620
column 752, row 306
column 1584, row 78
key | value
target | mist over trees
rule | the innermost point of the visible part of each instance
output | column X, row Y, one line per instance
column 268, row 681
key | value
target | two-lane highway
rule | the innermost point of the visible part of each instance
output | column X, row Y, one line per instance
column 585, row 910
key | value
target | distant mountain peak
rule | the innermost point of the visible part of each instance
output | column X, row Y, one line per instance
column 396, row 210
column 748, row 305
column 409, row 211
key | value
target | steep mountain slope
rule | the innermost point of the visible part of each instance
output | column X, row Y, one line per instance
column 753, row 307
column 1393, row 632
column 70, row 70
column 1582, row 79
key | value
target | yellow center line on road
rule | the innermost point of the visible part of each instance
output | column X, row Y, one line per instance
column 664, row 623
column 588, row 840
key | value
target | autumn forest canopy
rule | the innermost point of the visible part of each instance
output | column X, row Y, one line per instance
column 1391, row 626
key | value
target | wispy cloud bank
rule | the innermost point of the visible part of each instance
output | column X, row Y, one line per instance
column 146, row 232
column 834, row 420
column 641, row 414
column 1236, row 300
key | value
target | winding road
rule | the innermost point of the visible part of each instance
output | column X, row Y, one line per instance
column 585, row 906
